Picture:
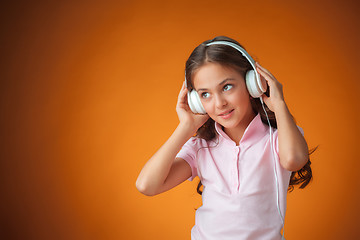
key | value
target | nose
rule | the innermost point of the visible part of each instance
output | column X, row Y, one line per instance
column 220, row 101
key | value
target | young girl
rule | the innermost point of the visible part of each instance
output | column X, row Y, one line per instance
column 245, row 166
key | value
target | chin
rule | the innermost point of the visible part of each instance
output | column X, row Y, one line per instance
column 230, row 123
column 227, row 124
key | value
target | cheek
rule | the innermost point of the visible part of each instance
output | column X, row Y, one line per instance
column 208, row 107
column 242, row 99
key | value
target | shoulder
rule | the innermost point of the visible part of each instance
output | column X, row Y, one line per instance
column 197, row 143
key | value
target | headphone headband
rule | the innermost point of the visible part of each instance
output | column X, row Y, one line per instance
column 245, row 54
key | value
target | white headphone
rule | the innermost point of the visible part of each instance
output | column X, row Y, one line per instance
column 255, row 86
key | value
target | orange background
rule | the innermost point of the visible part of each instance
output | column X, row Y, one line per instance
column 88, row 94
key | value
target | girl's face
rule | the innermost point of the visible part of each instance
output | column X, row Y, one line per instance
column 224, row 95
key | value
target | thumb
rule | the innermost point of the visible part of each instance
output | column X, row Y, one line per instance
column 264, row 98
column 267, row 102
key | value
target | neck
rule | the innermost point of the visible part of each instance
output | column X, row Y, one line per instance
column 237, row 132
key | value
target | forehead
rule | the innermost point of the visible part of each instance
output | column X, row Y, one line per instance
column 211, row 74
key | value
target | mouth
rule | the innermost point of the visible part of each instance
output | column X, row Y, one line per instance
column 227, row 113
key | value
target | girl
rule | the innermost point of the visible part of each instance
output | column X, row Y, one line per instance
column 245, row 170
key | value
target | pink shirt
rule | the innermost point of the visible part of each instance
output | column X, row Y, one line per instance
column 239, row 196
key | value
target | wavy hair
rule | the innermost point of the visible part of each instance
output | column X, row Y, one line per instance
column 230, row 57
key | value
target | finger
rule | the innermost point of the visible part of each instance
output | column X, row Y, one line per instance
column 182, row 98
column 264, row 70
column 266, row 100
column 182, row 88
column 182, row 94
column 264, row 75
column 268, row 77
column 264, row 97
column 261, row 67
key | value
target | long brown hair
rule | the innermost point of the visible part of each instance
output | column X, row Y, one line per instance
column 228, row 56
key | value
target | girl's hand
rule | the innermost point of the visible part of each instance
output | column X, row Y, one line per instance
column 276, row 89
column 186, row 116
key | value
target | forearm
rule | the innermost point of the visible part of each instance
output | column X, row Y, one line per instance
column 157, row 168
column 293, row 149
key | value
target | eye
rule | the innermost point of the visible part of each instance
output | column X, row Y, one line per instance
column 227, row 87
column 205, row 95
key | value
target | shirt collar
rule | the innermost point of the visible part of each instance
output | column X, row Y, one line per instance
column 255, row 130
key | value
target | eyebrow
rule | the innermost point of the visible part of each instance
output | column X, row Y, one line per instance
column 222, row 82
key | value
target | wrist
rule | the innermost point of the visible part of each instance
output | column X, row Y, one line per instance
column 187, row 129
column 280, row 107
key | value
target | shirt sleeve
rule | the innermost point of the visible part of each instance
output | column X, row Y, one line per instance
column 276, row 142
column 188, row 153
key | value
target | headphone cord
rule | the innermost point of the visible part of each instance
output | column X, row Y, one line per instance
column 276, row 178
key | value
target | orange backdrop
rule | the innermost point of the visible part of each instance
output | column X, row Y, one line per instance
column 88, row 94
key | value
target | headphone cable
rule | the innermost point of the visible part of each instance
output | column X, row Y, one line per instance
column 276, row 177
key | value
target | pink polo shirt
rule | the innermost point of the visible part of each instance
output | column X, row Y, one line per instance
column 239, row 196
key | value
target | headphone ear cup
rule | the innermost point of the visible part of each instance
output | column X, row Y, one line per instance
column 252, row 84
column 195, row 103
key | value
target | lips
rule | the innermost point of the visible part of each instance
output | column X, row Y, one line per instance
column 226, row 113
